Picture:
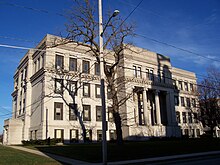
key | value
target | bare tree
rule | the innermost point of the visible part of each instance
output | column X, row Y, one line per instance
column 82, row 29
column 209, row 91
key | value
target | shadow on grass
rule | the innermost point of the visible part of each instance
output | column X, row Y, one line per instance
column 92, row 152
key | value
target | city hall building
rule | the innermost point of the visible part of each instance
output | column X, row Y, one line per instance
column 162, row 103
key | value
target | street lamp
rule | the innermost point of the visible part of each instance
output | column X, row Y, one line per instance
column 102, row 81
column 116, row 12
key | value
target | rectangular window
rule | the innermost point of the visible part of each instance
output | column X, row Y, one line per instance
column 112, row 134
column 178, row 117
column 97, row 69
column 24, row 105
column 89, row 135
column 42, row 60
column 99, row 135
column 197, row 132
column 58, row 111
column 74, row 135
column 184, row 117
column 110, row 114
column 86, row 67
column 176, row 100
column 188, row 102
column 72, row 64
column 59, row 64
column 180, row 85
column 86, row 89
column 59, row 134
column 35, row 66
column 151, row 75
column 98, row 91
column 186, row 86
column 191, row 87
column 72, row 111
column 139, row 72
column 190, row 117
column 38, row 64
column 159, row 76
column 98, row 113
column 195, row 117
column 186, row 132
column 73, row 88
column 25, row 72
column 135, row 71
column 58, row 86
column 163, row 77
column 194, row 103
column 182, row 101
column 86, row 113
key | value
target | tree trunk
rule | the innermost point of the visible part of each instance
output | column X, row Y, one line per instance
column 117, row 119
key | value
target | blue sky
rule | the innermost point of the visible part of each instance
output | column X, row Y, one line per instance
column 189, row 24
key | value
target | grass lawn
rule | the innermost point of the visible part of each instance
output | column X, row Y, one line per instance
column 17, row 157
column 132, row 150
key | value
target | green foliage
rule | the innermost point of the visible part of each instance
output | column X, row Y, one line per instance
column 41, row 142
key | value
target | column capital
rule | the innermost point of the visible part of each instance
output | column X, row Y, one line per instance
column 145, row 88
column 156, row 91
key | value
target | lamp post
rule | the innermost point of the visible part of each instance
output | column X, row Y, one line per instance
column 102, row 76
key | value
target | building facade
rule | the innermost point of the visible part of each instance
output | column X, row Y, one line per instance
column 162, row 99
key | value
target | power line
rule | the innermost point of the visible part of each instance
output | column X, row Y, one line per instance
column 31, row 8
column 129, row 14
column 43, row 50
column 176, row 47
column 18, row 39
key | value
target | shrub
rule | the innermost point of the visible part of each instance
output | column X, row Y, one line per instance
column 41, row 142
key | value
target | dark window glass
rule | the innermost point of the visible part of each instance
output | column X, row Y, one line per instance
column 58, row 111
column 97, row 69
column 72, row 64
column 98, row 113
column 86, row 67
column 72, row 111
column 59, row 62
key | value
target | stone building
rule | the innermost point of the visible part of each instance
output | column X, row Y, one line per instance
column 162, row 100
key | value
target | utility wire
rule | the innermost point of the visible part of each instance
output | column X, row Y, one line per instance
column 176, row 47
column 42, row 50
column 129, row 14
column 18, row 39
column 31, row 8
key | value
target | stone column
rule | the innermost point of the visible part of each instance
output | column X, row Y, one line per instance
column 147, row 115
column 136, row 108
column 157, row 105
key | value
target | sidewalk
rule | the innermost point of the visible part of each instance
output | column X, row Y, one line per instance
column 148, row 160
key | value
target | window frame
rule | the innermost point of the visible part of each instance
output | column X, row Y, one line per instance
column 60, row 81
column 97, row 86
column 72, row 115
column 97, row 69
column 57, row 61
column 72, row 64
column 88, row 85
column 98, row 108
column 56, row 105
column 84, row 62
column 89, row 113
